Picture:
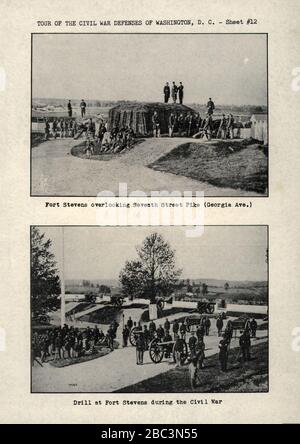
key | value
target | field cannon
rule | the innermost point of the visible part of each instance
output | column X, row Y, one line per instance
column 160, row 349
column 161, row 302
column 206, row 307
column 192, row 321
column 117, row 300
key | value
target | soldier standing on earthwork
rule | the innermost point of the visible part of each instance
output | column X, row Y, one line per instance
column 69, row 109
column 210, row 107
column 180, row 92
column 174, row 92
column 82, row 107
column 167, row 92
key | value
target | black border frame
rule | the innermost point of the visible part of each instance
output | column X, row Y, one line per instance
column 153, row 393
column 152, row 33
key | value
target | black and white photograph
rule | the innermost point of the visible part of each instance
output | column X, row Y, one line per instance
column 149, row 309
column 152, row 112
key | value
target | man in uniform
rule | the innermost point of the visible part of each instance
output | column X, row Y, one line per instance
column 198, row 122
column 207, row 325
column 129, row 323
column 190, row 124
column 168, row 338
column 253, row 327
column 167, row 324
column 219, row 325
column 155, row 125
column 200, row 332
column 96, row 334
column 245, row 344
column 210, row 107
column 208, row 126
column 223, row 353
column 140, row 348
column 182, row 330
column 222, row 128
column 152, row 329
column 82, row 108
column 69, row 109
column 47, row 129
column 125, row 335
column 172, row 121
column 228, row 331
column 167, row 92
column 180, row 92
column 178, row 350
column 181, row 122
column 174, row 92
column 200, row 351
column 160, row 333
column 192, row 344
column 110, row 337
column 230, row 126
column 146, row 337
column 175, row 328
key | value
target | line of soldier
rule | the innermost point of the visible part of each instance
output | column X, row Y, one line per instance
column 60, row 128
column 192, row 124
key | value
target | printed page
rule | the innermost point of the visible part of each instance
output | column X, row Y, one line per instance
column 150, row 241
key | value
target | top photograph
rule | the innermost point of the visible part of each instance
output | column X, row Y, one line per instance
column 149, row 115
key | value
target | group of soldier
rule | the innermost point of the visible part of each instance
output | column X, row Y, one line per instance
column 193, row 125
column 70, row 342
column 174, row 91
column 248, row 332
column 176, row 333
column 164, row 333
column 115, row 141
column 97, row 139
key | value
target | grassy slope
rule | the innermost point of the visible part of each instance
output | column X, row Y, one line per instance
column 246, row 167
column 251, row 376
column 37, row 139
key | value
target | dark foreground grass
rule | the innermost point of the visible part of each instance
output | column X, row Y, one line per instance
column 234, row 164
column 250, row 376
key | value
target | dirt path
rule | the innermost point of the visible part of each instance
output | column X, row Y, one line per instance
column 55, row 172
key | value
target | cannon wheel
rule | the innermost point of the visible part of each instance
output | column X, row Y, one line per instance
column 156, row 351
column 184, row 354
column 132, row 338
column 210, row 308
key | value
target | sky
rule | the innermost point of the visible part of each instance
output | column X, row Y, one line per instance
column 222, row 252
column 230, row 68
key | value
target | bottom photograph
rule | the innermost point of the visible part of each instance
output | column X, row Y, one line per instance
column 149, row 309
